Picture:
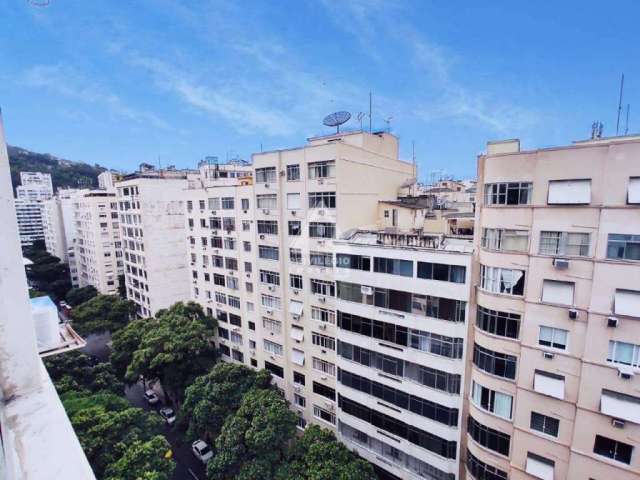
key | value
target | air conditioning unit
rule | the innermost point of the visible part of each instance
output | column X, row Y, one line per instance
column 573, row 313
column 322, row 326
column 612, row 322
column 625, row 372
column 261, row 237
column 248, row 275
column 213, row 212
column 617, row 423
column 297, row 388
column 320, row 181
column 324, row 377
column 265, row 211
column 320, row 212
column 266, row 185
column 272, row 288
column 547, row 355
column 269, row 312
column 296, row 292
column 322, row 299
column 293, row 212
column 245, row 211
column 252, row 352
column 296, row 317
column 560, row 263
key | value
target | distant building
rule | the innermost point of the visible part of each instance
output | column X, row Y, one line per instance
column 34, row 186
column 35, row 189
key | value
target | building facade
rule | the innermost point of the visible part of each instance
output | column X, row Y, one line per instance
column 553, row 385
column 35, row 189
column 34, row 186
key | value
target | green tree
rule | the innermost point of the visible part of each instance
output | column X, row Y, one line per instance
column 176, row 347
column 75, row 371
column 76, row 296
column 76, row 401
column 47, row 273
column 211, row 398
column 143, row 460
column 253, row 440
column 317, row 455
column 103, row 313
column 124, row 342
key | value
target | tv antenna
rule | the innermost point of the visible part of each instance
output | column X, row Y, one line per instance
column 620, row 104
column 626, row 127
column 360, row 117
column 336, row 119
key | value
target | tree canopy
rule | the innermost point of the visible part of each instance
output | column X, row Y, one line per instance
column 47, row 273
column 211, row 398
column 103, row 313
column 124, row 342
column 143, row 460
column 253, row 439
column 76, row 296
column 75, row 371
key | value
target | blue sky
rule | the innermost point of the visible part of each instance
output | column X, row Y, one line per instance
column 119, row 83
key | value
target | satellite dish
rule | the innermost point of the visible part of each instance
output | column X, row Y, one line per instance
column 336, row 119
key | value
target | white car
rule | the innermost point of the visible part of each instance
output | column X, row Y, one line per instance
column 151, row 397
column 202, row 451
column 168, row 414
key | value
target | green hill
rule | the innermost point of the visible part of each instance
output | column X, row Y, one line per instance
column 64, row 173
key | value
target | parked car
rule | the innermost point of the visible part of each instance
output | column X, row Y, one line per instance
column 151, row 397
column 202, row 451
column 168, row 414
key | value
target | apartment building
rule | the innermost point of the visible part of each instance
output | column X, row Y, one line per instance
column 97, row 246
column 554, row 390
column 402, row 308
column 34, row 186
column 151, row 206
column 59, row 222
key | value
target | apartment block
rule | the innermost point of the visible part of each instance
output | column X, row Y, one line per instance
column 34, row 186
column 554, row 390
column 29, row 215
column 59, row 222
column 151, row 205
column 97, row 247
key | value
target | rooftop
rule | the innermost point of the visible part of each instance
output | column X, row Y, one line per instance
column 413, row 239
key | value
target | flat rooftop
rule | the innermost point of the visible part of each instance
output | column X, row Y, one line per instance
column 411, row 240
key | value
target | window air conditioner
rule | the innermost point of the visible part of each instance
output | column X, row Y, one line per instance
column 296, row 292
column 320, row 181
column 271, row 288
column 322, row 299
column 617, row 423
column 612, row 322
column 252, row 352
column 573, row 313
column 266, row 185
column 320, row 212
column 265, row 211
column 245, row 211
column 293, row 212
column 261, row 237
column 213, row 212
column 322, row 326
column 547, row 355
column 560, row 263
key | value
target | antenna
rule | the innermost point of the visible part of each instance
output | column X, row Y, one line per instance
column 370, row 105
column 620, row 104
column 360, row 117
column 626, row 126
column 336, row 119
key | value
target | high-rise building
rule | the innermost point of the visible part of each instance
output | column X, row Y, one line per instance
column 553, row 388
column 59, row 223
column 35, row 188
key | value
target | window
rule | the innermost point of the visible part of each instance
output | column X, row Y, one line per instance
column 224, row 350
column 393, row 266
column 488, row 437
column 272, row 347
column 295, row 255
column 483, row 471
column 505, row 240
column 553, row 337
column 223, row 333
column 539, row 467
column 498, row 403
column 222, row 316
column 293, row 201
column 229, row 243
column 254, row 363
column 237, row 355
column 627, row 302
column 548, row 383
column 228, row 203
column 442, row 272
column 495, row 363
column 234, row 301
column 268, row 253
column 268, row 277
column 323, row 366
column 324, row 415
column 216, row 242
column 215, row 223
column 502, row 280
column 247, row 267
column 214, row 204
column 230, row 263
column 267, row 201
column 566, row 192
column 246, row 225
column 620, row 405
column 295, row 228
column 516, row 193
column 498, row 323
column 266, row 175
column 252, row 326
column 325, row 391
column 322, row 230
column 232, row 283
column 355, row 262
column 321, row 259
column 564, row 243
column 298, row 378
column 633, row 193
column 218, row 280
column 624, row 353
column 623, row 247
column 271, row 302
column 295, row 307
column 236, row 338
column 235, row 320
column 268, row 227
column 295, row 281
column 324, row 169
column 293, row 172
column 613, row 449
column 244, row 204
column 557, row 292
column 189, row 204
column 323, row 341
column 276, row 370
column 272, row 325
column 299, row 400
column 228, row 224
column 323, row 287
column 323, row 315
column 322, row 200
column 201, row 204
column 543, row 423
column 246, row 246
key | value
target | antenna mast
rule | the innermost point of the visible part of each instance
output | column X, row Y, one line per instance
column 626, row 127
column 620, row 104
column 370, row 104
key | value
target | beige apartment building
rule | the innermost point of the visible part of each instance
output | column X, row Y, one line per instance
column 553, row 384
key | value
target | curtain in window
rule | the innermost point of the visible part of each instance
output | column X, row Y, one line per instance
column 510, row 278
column 502, row 405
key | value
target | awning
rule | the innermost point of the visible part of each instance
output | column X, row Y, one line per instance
column 295, row 307
column 620, row 405
column 297, row 333
column 549, row 384
column 297, row 357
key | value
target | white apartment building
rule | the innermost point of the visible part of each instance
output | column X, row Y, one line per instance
column 34, row 186
column 97, row 247
column 554, row 383
column 59, row 223
column 151, row 205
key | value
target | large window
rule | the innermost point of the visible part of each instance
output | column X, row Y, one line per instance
column 268, row 227
column 442, row 272
column 295, row 281
column 325, row 169
column 293, row 173
column 516, row 193
column 295, row 228
column 267, row 201
column 488, row 437
column 553, row 337
column 568, row 192
column 495, row 363
column 502, row 280
column 322, row 230
column 272, row 347
column 624, row 353
column 560, row 293
column 544, row 424
column 322, row 199
column 268, row 252
column 393, row 266
column 295, row 255
column 293, row 201
column 324, row 415
column 613, row 449
column 266, row 175
column 323, row 287
column 271, row 302
column 276, row 370
column 324, row 390
column 271, row 278
column 505, row 240
column 498, row 403
column 228, row 203
column 323, row 366
column 483, row 471
column 627, row 302
column 623, row 247
column 355, row 262
column 503, row 324
column 321, row 259
column 633, row 192
column 418, row 405
column 426, row 440
column 271, row 325
column 323, row 315
column 564, row 243
column 323, row 341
